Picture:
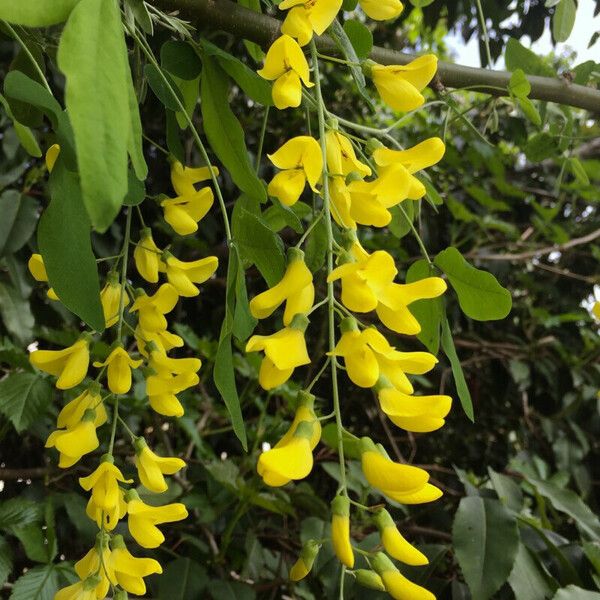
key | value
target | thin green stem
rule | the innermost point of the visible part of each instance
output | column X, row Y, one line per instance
column 126, row 427
column 309, row 229
column 156, row 145
column 318, row 375
column 113, row 432
column 125, row 253
column 416, row 234
column 484, row 33
column 340, row 61
column 261, row 139
column 330, row 290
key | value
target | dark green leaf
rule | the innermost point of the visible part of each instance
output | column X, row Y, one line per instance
column 519, row 57
column 141, row 15
column 315, row 250
column 19, row 217
column 180, row 59
column 165, row 91
column 572, row 592
column 134, row 138
column 16, row 313
column 24, row 398
column 243, row 322
column 18, row 512
column 183, row 579
column 36, row 13
column 136, row 191
column 509, row 492
column 33, row 541
column 5, row 560
column 402, row 219
column 39, row 583
column 526, row 579
column 563, row 20
column 540, row 146
column 360, row 37
column 25, row 135
column 230, row 590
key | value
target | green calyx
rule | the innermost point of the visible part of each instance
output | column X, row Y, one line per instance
column 383, row 519
column 299, row 322
column 294, row 254
column 131, row 495
column 373, row 144
column 109, row 458
column 368, row 579
column 309, row 553
column 306, row 399
column 367, row 66
column 117, row 542
column 304, row 430
column 89, row 415
column 139, row 444
column 348, row 324
column 340, row 506
column 91, row 582
column 383, row 383
column 145, row 233
column 382, row 564
column 367, row 445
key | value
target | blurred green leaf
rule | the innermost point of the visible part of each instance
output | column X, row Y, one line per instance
column 24, row 398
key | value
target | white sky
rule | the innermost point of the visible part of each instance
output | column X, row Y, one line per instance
column 585, row 26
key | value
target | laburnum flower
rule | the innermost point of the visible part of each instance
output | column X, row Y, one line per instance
column 296, row 289
column 286, row 64
column 381, row 10
column 183, row 275
column 74, row 442
column 52, row 156
column 183, row 178
column 147, row 256
column 308, row 16
column 152, row 468
column 37, row 268
column 301, row 161
column 110, row 297
column 73, row 411
column 96, row 562
column 400, row 85
column 70, row 365
column 128, row 570
column 420, row 414
column 107, row 519
column 143, row 519
column 396, row 585
column 394, row 543
column 119, row 365
column 162, row 338
column 82, row 590
column 340, row 530
column 152, row 309
column 162, row 390
column 165, row 366
column 404, row 483
column 368, row 356
column 341, row 158
column 301, row 568
column 284, row 351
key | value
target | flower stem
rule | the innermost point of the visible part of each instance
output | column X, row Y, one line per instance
column 125, row 253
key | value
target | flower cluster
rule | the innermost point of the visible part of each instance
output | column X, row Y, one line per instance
column 145, row 348
column 359, row 185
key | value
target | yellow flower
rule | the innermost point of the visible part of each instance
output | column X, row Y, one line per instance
column 341, row 158
column 104, row 483
column 183, row 275
column 295, row 289
column 107, row 519
column 70, row 365
column 51, row 156
column 183, row 178
column 152, row 309
column 425, row 154
column 110, row 296
column 301, row 568
column 404, row 483
column 420, row 414
column 400, row 85
column 96, row 563
column 152, row 467
column 340, row 530
column 119, row 365
column 308, row 16
column 596, row 310
column 82, row 590
column 74, row 442
column 73, row 411
column 184, row 212
column 143, row 519
column 381, row 10
column 304, row 412
column 301, row 161
column 38, row 272
column 128, row 570
column 290, row 461
column 147, row 256
column 162, row 338
column 165, row 366
column 284, row 351
column 396, row 585
column 286, row 64
column 161, row 390
column 394, row 543
column 341, row 203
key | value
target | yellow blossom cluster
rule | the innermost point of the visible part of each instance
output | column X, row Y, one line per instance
column 109, row 568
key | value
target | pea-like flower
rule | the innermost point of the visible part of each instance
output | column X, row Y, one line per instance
column 286, row 64
column 340, row 530
column 301, row 568
column 82, row 590
column 162, row 390
column 183, row 178
column 396, row 585
column 110, row 297
column 97, row 562
column 165, row 366
column 147, row 256
column 341, row 158
column 74, row 442
column 73, row 411
column 119, row 365
column 300, row 161
column 284, row 351
column 182, row 275
column 37, row 268
column 394, row 542
column 296, row 289
column 107, row 519
column 70, row 365
column 381, row 10
column 166, row 340
column 308, row 16
column 425, row 154
column 152, row 309
column 152, row 468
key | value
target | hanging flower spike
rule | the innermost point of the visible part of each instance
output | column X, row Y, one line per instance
column 394, row 543
column 419, row 414
column 381, row 10
column 143, row 519
column 296, row 289
column 119, row 365
column 129, row 571
column 152, row 309
column 284, row 351
column 152, row 467
column 74, row 442
column 36, row 267
column 147, row 256
column 70, row 365
column 396, row 585
column 300, row 160
column 104, row 483
column 183, row 178
column 301, row 568
column 110, row 297
column 96, row 562
column 82, row 590
column 73, row 411
column 400, row 85
column 340, row 530
column 308, row 16
column 341, row 158
column 286, row 64
column 183, row 275
column 404, row 483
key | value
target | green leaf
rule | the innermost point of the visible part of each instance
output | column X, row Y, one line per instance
column 93, row 57
column 24, row 398
column 134, row 138
column 517, row 56
column 67, row 251
column 519, row 85
column 167, row 93
column 530, row 111
column 25, row 135
column 540, row 146
column 17, row 512
column 315, row 250
column 16, row 313
column 183, row 579
column 136, row 191
column 243, row 321
column 509, row 492
column 480, row 295
column 486, row 540
column 33, row 541
column 230, row 590
column 224, row 132
column 526, row 579
column 259, row 245
column 360, row 37
column 180, row 59
column 563, row 20
column 19, row 218
column 36, row 13
column 39, row 583
column 572, row 592
column 5, row 560
column 462, row 389
column 402, row 219
column 578, row 171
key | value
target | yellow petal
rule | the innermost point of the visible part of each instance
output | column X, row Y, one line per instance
column 297, row 25
column 287, row 186
column 397, row 547
column 400, row 588
column 382, row 10
column 340, row 538
column 292, row 461
column 423, row 155
column 385, row 474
